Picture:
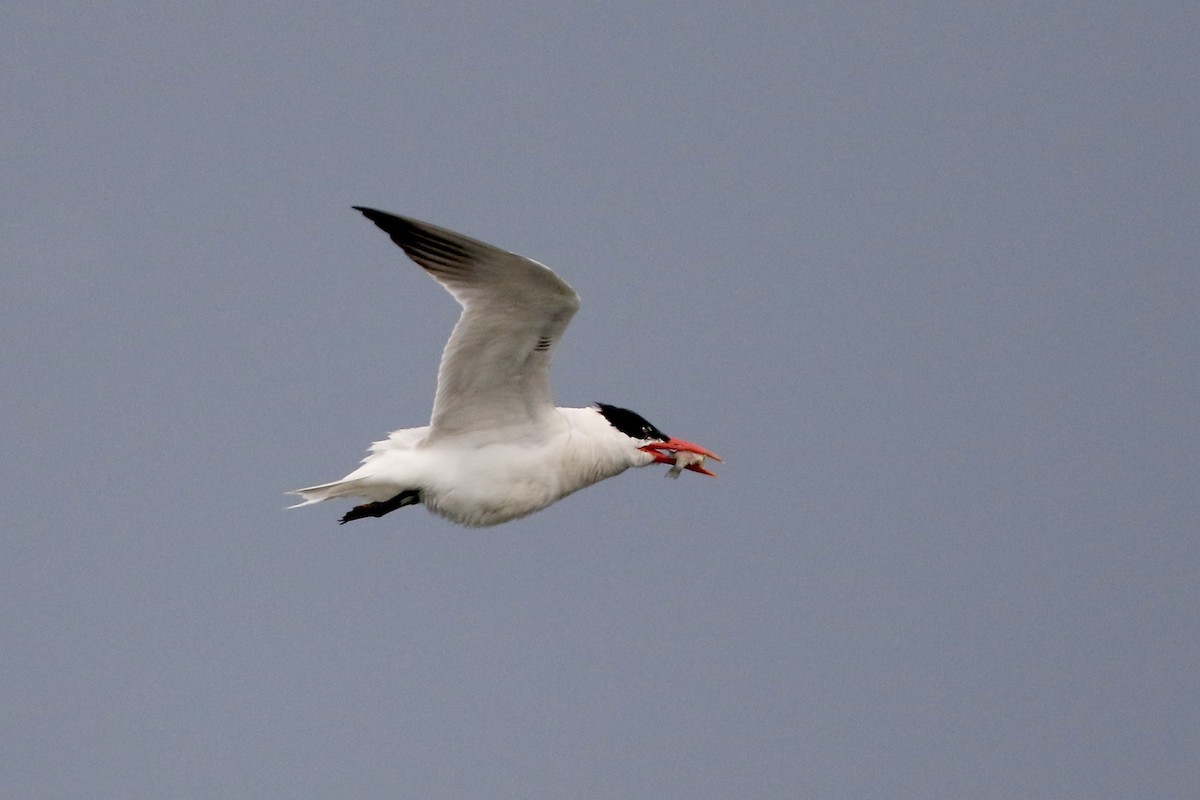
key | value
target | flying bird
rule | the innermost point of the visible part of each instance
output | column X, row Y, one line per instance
column 496, row 447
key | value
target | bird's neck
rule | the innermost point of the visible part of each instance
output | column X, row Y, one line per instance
column 594, row 450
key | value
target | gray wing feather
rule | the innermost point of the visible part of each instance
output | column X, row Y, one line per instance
column 494, row 373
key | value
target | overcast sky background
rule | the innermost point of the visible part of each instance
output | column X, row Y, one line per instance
column 925, row 274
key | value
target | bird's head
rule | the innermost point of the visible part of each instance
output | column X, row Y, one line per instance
column 661, row 448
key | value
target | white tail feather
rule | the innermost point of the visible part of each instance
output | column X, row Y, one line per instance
column 329, row 491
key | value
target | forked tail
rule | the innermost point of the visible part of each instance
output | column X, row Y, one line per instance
column 329, row 491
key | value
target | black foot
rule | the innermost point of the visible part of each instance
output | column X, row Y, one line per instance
column 408, row 497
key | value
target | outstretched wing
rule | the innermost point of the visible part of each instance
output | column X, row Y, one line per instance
column 495, row 368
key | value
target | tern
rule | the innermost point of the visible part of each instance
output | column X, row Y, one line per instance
column 496, row 447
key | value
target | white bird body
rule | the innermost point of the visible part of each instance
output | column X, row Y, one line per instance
column 496, row 447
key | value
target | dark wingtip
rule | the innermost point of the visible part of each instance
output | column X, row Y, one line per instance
column 388, row 223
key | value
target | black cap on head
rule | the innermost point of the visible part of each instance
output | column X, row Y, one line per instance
column 629, row 423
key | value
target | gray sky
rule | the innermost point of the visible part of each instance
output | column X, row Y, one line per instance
column 925, row 274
